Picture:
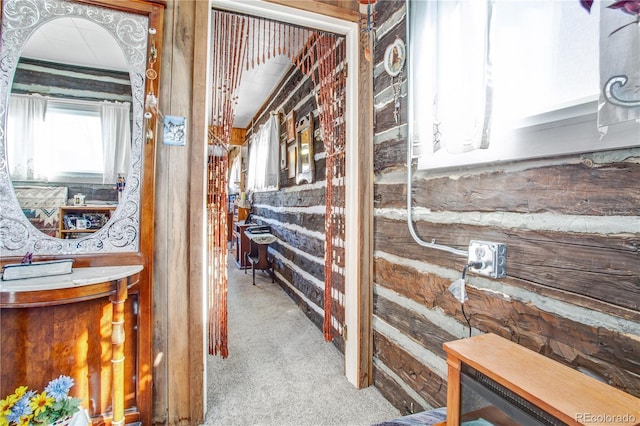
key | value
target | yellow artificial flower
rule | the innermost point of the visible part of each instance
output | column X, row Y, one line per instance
column 20, row 391
column 6, row 404
column 25, row 421
column 40, row 403
column 3, row 421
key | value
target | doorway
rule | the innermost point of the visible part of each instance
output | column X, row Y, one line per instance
column 352, row 241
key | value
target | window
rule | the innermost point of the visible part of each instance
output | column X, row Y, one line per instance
column 263, row 173
column 73, row 145
column 495, row 81
column 60, row 139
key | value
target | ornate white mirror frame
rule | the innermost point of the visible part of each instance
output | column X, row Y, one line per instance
column 121, row 234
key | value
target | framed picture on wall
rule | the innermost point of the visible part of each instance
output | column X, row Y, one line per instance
column 291, row 127
column 174, row 130
column 291, row 161
column 305, row 163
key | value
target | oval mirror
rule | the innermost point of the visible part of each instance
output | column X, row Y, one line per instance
column 72, row 128
column 68, row 127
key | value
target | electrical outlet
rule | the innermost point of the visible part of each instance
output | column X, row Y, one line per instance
column 492, row 255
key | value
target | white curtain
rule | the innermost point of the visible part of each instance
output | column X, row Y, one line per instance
column 263, row 173
column 251, row 167
column 450, row 44
column 25, row 126
column 234, row 174
column 116, row 139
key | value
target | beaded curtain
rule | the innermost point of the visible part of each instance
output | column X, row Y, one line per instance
column 243, row 42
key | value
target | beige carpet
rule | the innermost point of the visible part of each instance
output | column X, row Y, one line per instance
column 280, row 371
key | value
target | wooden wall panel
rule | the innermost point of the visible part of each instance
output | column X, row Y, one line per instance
column 571, row 189
column 305, row 196
column 310, row 221
column 390, row 389
column 414, row 374
column 555, row 259
column 50, row 78
column 492, row 311
column 390, row 155
column 342, row 9
column 409, row 322
column 572, row 229
column 178, row 272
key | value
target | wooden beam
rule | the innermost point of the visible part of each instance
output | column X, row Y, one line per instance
column 316, row 6
column 365, row 202
column 197, row 220
column 238, row 136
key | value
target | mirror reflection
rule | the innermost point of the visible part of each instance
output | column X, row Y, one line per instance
column 306, row 164
column 69, row 127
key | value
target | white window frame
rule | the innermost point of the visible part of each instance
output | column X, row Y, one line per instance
column 568, row 130
column 78, row 108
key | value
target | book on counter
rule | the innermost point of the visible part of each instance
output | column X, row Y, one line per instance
column 16, row 271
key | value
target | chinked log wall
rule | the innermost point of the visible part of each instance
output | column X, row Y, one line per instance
column 296, row 212
column 71, row 82
column 572, row 229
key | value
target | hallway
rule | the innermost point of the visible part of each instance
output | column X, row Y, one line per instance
column 280, row 371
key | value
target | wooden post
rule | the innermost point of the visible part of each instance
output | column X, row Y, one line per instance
column 453, row 391
column 117, row 351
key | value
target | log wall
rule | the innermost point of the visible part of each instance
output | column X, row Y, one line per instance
column 572, row 229
column 71, row 82
column 296, row 212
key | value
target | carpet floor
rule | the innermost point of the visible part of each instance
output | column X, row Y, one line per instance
column 280, row 371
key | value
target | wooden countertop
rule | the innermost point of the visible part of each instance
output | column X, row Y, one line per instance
column 568, row 394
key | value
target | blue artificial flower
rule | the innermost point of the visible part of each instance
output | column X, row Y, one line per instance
column 59, row 388
column 20, row 409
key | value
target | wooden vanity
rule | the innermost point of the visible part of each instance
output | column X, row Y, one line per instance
column 95, row 324
column 75, row 325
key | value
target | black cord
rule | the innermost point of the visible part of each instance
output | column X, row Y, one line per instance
column 466, row 318
column 476, row 265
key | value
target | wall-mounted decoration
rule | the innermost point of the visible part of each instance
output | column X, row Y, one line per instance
column 306, row 163
column 283, row 155
column 174, row 130
column 291, row 127
column 394, row 57
column 291, row 161
column 367, row 12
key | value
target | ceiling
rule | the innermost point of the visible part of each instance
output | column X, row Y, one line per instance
column 75, row 41
column 259, row 81
column 80, row 42
column 256, row 85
